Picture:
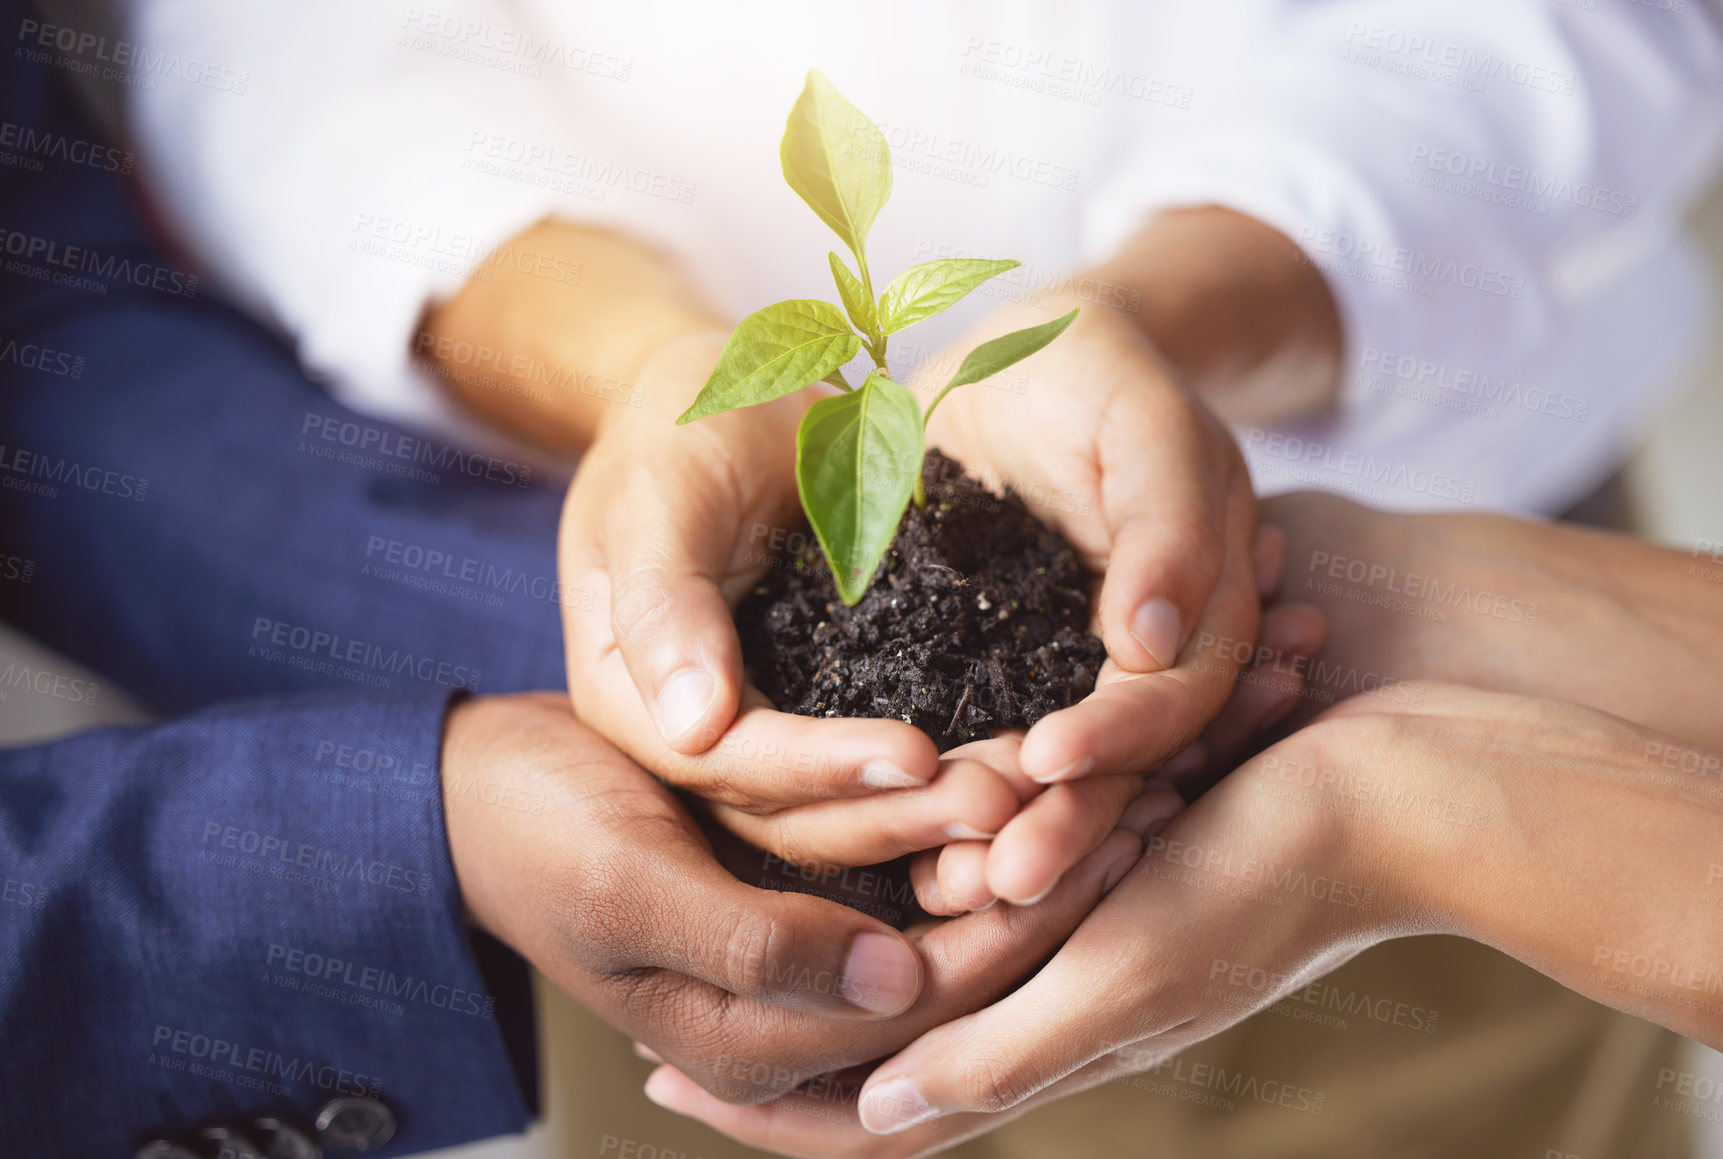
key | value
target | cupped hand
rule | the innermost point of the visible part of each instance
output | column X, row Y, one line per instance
column 1105, row 444
column 668, row 527
column 1060, row 822
column 582, row 862
column 1465, row 812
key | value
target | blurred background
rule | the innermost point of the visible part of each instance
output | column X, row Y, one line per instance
column 1674, row 485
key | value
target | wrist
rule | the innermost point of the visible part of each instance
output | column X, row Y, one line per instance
column 546, row 349
column 1394, row 839
column 1247, row 322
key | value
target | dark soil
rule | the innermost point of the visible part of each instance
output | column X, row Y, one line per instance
column 976, row 620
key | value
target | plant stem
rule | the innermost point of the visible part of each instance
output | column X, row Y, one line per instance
column 876, row 347
column 937, row 399
column 875, row 341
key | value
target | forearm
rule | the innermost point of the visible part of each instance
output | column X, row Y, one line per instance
column 1248, row 323
column 1507, row 605
column 1622, row 625
column 550, row 358
column 1593, row 863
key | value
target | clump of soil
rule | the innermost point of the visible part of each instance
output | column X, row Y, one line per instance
column 976, row 620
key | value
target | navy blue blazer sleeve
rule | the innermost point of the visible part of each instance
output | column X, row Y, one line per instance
column 250, row 910
column 185, row 512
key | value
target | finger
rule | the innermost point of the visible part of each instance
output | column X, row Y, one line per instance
column 1052, row 833
column 789, row 950
column 663, row 538
column 1029, row 1041
column 765, row 759
column 963, row 877
column 1133, row 973
column 656, row 646
column 952, row 879
column 1166, row 514
column 1134, row 721
column 1267, row 690
column 924, row 880
column 966, row 800
column 969, row 961
column 1156, row 805
column 819, row 1120
column 815, row 1121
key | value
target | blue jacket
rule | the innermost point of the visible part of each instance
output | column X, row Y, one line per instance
column 250, row 911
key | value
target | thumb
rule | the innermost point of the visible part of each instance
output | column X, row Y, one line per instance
column 1167, row 514
column 668, row 533
column 782, row 948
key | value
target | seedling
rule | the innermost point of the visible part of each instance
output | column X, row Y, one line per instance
column 858, row 453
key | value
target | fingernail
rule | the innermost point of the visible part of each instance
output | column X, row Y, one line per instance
column 882, row 975
column 641, row 1050
column 1155, row 625
column 894, row 1106
column 883, row 774
column 1076, row 768
column 1028, row 901
column 963, row 831
column 682, row 701
column 654, row 1090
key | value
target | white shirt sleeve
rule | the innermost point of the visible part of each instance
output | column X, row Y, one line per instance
column 1464, row 172
column 372, row 148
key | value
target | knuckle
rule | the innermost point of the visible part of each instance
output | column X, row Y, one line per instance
column 750, row 964
column 743, row 1057
column 716, row 778
column 640, row 604
column 1190, row 537
column 994, row 1082
column 788, row 838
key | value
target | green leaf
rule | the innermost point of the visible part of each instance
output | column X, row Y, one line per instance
column 774, row 352
column 858, row 456
column 922, row 291
column 854, row 297
column 837, row 161
column 998, row 353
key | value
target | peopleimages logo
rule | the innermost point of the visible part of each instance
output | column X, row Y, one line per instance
column 402, row 454
column 1517, row 179
column 1307, row 453
column 56, row 256
column 315, row 643
column 46, row 359
column 1369, row 43
column 286, row 853
column 1416, row 374
column 46, row 144
column 258, row 1060
column 1419, row 269
column 33, row 466
column 373, row 979
column 122, row 60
